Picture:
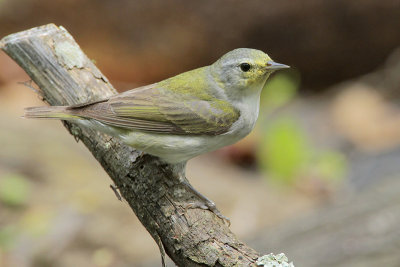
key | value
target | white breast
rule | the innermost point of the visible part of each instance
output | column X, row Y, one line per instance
column 179, row 148
column 249, row 108
column 176, row 148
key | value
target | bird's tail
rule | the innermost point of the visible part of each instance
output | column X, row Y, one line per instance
column 55, row 112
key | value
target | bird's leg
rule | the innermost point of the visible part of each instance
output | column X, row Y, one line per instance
column 141, row 154
column 206, row 202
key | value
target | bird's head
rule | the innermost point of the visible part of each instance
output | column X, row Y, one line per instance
column 244, row 71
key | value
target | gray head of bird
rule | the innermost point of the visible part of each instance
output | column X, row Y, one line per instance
column 244, row 71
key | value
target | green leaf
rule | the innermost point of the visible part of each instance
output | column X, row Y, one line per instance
column 280, row 89
column 331, row 165
column 8, row 234
column 284, row 150
column 14, row 189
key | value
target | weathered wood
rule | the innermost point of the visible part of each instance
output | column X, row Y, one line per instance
column 65, row 76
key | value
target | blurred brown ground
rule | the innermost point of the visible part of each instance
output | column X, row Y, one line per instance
column 340, row 48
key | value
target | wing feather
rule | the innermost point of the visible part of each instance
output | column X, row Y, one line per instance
column 151, row 109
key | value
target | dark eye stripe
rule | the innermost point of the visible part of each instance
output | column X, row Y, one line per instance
column 245, row 67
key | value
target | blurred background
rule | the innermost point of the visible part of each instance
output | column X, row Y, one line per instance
column 318, row 179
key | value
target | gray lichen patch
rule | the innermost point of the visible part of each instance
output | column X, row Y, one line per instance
column 69, row 54
column 271, row 260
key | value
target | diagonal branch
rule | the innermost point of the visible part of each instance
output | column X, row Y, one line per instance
column 192, row 237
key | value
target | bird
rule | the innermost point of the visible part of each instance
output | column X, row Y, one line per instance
column 181, row 117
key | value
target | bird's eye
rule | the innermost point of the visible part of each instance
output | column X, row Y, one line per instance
column 245, row 67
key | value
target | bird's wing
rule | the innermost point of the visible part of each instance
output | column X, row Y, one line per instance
column 152, row 109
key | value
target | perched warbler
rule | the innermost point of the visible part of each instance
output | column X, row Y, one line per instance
column 181, row 117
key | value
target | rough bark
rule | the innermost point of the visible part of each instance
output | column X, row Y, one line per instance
column 65, row 76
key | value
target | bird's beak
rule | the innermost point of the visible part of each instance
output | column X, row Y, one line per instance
column 271, row 65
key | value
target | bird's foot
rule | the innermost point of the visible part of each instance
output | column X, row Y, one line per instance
column 202, row 201
column 205, row 203
column 209, row 205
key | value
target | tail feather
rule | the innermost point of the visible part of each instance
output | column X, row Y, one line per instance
column 55, row 112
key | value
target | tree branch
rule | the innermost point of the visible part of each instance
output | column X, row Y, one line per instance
column 192, row 237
